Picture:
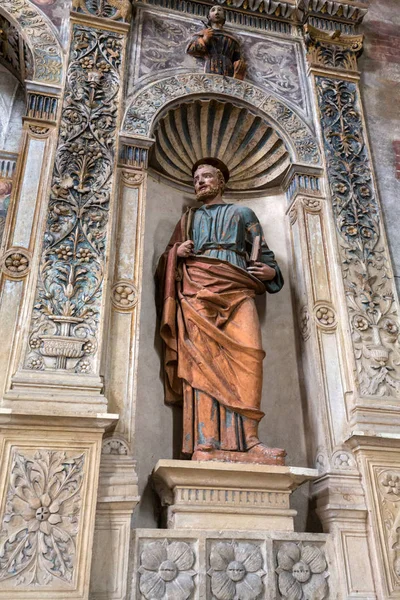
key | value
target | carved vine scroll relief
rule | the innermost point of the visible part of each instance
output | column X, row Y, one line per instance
column 364, row 256
column 66, row 313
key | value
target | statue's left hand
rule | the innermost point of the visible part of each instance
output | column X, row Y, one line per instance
column 262, row 271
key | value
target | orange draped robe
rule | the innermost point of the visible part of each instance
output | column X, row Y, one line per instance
column 213, row 354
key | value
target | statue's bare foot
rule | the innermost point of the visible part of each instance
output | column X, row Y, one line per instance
column 263, row 454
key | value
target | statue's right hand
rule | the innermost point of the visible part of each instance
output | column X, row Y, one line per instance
column 185, row 249
column 207, row 34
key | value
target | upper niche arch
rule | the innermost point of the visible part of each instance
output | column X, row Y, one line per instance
column 36, row 30
column 150, row 102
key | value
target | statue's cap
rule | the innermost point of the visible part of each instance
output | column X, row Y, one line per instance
column 214, row 162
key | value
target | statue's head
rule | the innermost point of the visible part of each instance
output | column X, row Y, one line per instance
column 216, row 16
column 209, row 178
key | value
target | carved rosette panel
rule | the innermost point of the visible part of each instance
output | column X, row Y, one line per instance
column 364, row 256
column 66, row 313
column 15, row 263
column 146, row 104
column 236, row 570
column 302, row 572
column 46, row 50
column 166, row 570
column 41, row 519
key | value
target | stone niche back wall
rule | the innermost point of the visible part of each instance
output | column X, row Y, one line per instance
column 380, row 88
column 155, row 422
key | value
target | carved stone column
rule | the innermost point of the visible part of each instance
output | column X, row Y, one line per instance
column 367, row 309
column 24, row 223
column 118, row 494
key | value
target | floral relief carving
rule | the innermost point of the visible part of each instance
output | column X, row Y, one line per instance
column 15, row 262
column 388, row 481
column 338, row 52
column 166, row 571
column 325, row 316
column 236, row 571
column 364, row 257
column 302, row 572
column 115, row 447
column 147, row 102
column 41, row 519
column 71, row 272
column 45, row 48
column 124, row 295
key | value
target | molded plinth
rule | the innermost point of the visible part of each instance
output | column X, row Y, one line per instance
column 220, row 495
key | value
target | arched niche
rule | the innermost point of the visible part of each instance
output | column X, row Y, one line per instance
column 40, row 37
column 166, row 199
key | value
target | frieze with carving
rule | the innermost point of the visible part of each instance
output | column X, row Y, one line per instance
column 68, row 299
column 46, row 50
column 364, row 257
column 271, row 64
column 41, row 519
column 147, row 102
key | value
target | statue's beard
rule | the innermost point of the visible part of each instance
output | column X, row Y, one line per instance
column 207, row 193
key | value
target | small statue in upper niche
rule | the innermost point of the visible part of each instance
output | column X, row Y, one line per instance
column 220, row 49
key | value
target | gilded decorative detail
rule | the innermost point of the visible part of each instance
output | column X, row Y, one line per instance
column 166, row 570
column 146, row 104
column 45, row 48
column 303, row 184
column 273, row 8
column 68, row 298
column 14, row 50
column 302, row 572
column 117, row 10
column 236, row 570
column 41, row 519
column 124, row 295
column 15, row 263
column 333, row 50
column 365, row 263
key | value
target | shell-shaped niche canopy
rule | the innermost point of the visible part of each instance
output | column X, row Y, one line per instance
column 254, row 153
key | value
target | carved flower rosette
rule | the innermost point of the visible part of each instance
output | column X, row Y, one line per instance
column 41, row 518
column 302, row 572
column 166, row 571
column 68, row 300
column 236, row 571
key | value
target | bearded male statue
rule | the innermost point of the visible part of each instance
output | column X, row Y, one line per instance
column 209, row 324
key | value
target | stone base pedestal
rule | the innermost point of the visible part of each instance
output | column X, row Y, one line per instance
column 221, row 495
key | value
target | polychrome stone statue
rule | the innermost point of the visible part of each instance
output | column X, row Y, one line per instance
column 220, row 49
column 216, row 262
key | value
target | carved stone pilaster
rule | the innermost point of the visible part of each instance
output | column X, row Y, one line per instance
column 66, row 326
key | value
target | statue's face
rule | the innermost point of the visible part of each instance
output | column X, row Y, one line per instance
column 207, row 182
column 217, row 15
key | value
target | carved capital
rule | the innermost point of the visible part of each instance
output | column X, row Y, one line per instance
column 344, row 15
column 332, row 50
column 115, row 10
